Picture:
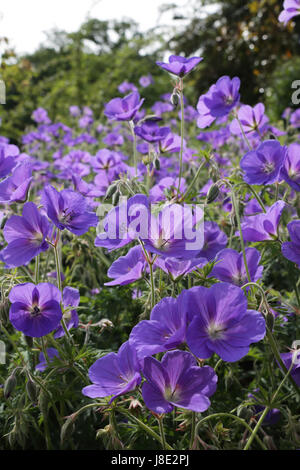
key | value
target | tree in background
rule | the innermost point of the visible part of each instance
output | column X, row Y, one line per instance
column 241, row 38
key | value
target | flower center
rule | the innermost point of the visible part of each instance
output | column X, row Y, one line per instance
column 269, row 167
column 35, row 311
column 172, row 395
column 215, row 331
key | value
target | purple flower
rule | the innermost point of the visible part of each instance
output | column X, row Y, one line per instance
column 151, row 132
column 165, row 330
column 263, row 226
column 71, row 298
column 124, row 109
column 221, row 323
column 290, row 170
column 263, row 165
column 252, row 120
column 230, row 266
column 291, row 9
column 113, row 138
column 291, row 250
column 114, row 374
column 26, row 236
column 177, row 268
column 35, row 309
column 74, row 111
column 288, row 358
column 171, row 143
column 177, row 381
column 214, row 241
column 42, row 365
column 15, row 187
column 125, row 87
column 166, row 186
column 173, row 233
column 295, row 118
column 220, row 99
column 7, row 159
column 124, row 223
column 146, row 80
column 180, row 66
column 127, row 269
column 68, row 210
column 40, row 116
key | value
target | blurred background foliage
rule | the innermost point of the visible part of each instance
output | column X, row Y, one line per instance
column 235, row 37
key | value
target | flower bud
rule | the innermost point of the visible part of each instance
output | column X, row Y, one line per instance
column 31, row 390
column 213, row 193
column 174, row 99
column 115, row 198
column 67, row 429
column 110, row 191
column 157, row 164
column 10, row 385
column 270, row 320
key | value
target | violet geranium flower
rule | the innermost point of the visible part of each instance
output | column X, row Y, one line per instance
column 124, row 109
column 219, row 101
column 15, row 187
column 177, row 381
column 221, row 323
column 291, row 250
column 26, row 236
column 291, row 9
column 43, row 364
column 165, row 330
column 180, row 66
column 287, row 359
column 35, row 309
column 263, row 226
column 114, row 374
column 230, row 266
column 290, row 170
column 127, row 269
column 68, row 210
column 253, row 120
column 70, row 298
column 151, row 132
column 263, row 165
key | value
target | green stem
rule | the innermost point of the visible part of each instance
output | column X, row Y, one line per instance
column 236, row 210
column 162, row 432
column 267, row 409
column 182, row 136
column 193, row 429
column 236, row 418
column 191, row 186
column 243, row 132
column 145, row 428
column 37, row 269
column 257, row 197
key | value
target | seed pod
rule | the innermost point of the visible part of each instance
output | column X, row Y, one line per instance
column 10, row 385
column 110, row 191
column 213, row 193
column 146, row 160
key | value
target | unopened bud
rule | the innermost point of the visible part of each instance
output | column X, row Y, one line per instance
column 213, row 193
column 174, row 99
column 10, row 385
column 67, row 429
column 270, row 319
column 31, row 390
column 115, row 198
column 157, row 164
column 110, row 191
